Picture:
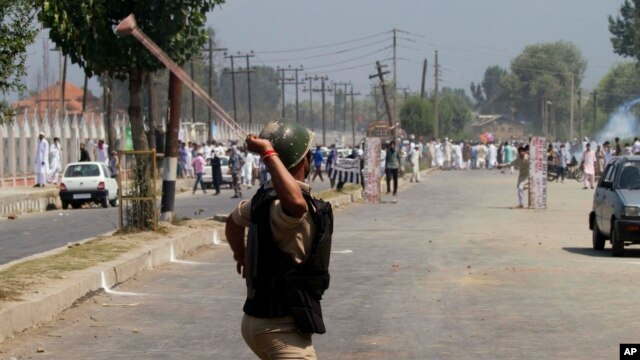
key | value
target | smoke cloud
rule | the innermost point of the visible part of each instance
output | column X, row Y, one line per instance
column 622, row 123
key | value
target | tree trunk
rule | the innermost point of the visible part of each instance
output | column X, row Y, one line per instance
column 135, row 110
column 153, row 118
column 171, row 150
column 112, row 139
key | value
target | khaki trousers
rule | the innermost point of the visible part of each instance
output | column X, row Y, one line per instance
column 277, row 338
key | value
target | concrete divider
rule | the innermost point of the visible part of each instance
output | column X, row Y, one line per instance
column 53, row 299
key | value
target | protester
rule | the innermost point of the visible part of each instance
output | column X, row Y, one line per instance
column 564, row 159
column 508, row 157
column 318, row 160
column 84, row 154
column 599, row 161
column 198, row 167
column 216, row 172
column 236, row 162
column 522, row 163
column 55, row 161
column 281, row 312
column 392, row 163
column 41, row 160
column 415, row 164
column 182, row 160
column 589, row 166
column 331, row 159
column 618, row 150
column 247, row 169
column 114, row 164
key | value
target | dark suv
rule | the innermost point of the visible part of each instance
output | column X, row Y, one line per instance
column 616, row 205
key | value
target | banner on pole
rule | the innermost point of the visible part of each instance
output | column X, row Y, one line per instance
column 538, row 173
column 372, row 171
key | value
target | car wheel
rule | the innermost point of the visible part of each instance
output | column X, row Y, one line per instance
column 104, row 202
column 65, row 205
column 617, row 246
column 579, row 176
column 76, row 205
column 597, row 238
column 114, row 202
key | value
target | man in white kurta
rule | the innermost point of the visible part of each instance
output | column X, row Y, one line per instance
column 41, row 161
column 247, row 169
column 492, row 156
column 414, row 155
column 589, row 166
column 55, row 161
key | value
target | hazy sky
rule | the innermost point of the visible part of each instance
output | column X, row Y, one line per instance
column 470, row 35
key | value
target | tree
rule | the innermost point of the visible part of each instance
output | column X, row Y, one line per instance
column 17, row 31
column 491, row 96
column 626, row 31
column 543, row 72
column 455, row 112
column 417, row 116
column 84, row 32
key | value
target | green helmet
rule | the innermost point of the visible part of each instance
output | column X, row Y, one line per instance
column 290, row 140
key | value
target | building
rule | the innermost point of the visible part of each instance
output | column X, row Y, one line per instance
column 500, row 126
column 49, row 101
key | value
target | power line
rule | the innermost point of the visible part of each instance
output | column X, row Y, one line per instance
column 352, row 59
column 324, row 46
column 327, row 54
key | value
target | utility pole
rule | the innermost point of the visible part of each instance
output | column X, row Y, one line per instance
column 233, row 88
column 344, row 105
column 297, row 70
column 335, row 106
column 289, row 81
column 353, row 116
column 383, row 86
column 193, row 97
column 310, row 100
column 436, row 123
column 323, row 90
column 543, row 112
column 580, row 115
column 395, row 72
column 210, row 50
column 571, row 107
column 595, row 109
column 424, row 79
column 249, row 89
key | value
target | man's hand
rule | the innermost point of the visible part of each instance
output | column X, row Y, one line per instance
column 240, row 267
column 257, row 145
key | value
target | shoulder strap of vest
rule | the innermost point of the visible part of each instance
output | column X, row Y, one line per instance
column 322, row 215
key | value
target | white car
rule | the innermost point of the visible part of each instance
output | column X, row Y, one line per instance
column 84, row 182
column 207, row 179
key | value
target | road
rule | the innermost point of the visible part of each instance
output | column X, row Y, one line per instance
column 35, row 233
column 449, row 272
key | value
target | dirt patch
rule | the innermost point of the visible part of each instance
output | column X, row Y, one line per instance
column 24, row 278
column 333, row 193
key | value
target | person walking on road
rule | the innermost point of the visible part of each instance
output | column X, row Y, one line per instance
column 55, row 161
column 415, row 164
column 589, row 166
column 284, row 283
column 41, row 160
column 317, row 163
column 236, row 162
column 198, row 167
column 522, row 163
column 392, row 164
column 216, row 172
column 114, row 165
column 564, row 159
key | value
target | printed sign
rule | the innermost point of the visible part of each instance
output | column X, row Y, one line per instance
column 538, row 173
column 372, row 170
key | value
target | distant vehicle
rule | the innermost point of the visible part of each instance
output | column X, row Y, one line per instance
column 343, row 153
column 86, row 182
column 207, row 179
column 616, row 205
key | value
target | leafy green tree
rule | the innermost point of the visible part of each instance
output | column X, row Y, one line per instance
column 625, row 29
column 455, row 112
column 490, row 95
column 84, row 32
column 543, row 72
column 417, row 116
column 620, row 84
column 17, row 31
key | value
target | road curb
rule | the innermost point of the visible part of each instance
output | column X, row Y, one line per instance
column 49, row 302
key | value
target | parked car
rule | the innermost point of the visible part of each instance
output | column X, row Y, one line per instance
column 616, row 205
column 207, row 179
column 86, row 182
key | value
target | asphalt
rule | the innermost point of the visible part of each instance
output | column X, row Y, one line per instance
column 450, row 271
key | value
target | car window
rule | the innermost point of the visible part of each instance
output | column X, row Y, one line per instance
column 629, row 177
column 608, row 173
column 224, row 161
column 82, row 170
column 106, row 171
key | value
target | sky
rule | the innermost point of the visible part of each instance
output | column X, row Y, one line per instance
column 343, row 38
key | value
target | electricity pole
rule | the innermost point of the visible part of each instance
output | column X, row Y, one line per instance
column 311, row 100
column 595, row 109
column 344, row 105
column 210, row 50
column 395, row 71
column 383, row 86
column 353, row 116
column 193, row 97
column 580, row 115
column 289, row 81
column 233, row 88
column 436, row 123
column 323, row 90
column 424, row 78
column 571, row 107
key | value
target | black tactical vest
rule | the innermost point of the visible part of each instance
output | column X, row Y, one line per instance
column 271, row 274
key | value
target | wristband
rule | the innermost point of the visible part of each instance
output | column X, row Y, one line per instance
column 268, row 153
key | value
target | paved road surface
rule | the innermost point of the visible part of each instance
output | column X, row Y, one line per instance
column 36, row 233
column 449, row 272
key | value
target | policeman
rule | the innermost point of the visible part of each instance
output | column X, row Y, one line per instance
column 282, row 310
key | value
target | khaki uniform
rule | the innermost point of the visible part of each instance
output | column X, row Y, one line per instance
column 279, row 338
